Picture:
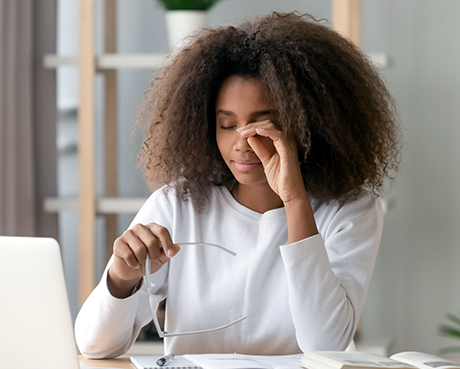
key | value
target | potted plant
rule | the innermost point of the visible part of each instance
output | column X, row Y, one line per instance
column 185, row 17
column 452, row 331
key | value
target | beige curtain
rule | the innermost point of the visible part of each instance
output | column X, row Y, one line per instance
column 27, row 117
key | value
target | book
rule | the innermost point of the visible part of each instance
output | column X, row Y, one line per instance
column 220, row 361
column 363, row 360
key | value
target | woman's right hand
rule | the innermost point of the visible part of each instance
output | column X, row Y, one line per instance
column 129, row 254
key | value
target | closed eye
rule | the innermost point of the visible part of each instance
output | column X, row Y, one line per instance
column 227, row 127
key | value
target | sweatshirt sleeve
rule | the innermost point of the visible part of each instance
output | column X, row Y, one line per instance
column 107, row 326
column 329, row 274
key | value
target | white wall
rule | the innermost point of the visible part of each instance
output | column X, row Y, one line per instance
column 417, row 275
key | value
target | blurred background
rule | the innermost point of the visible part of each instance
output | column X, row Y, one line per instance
column 417, row 275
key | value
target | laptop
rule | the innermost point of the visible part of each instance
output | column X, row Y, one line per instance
column 35, row 324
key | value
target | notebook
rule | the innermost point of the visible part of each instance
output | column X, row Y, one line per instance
column 35, row 324
column 220, row 361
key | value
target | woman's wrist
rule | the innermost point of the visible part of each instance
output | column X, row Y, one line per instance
column 118, row 287
column 298, row 199
column 300, row 219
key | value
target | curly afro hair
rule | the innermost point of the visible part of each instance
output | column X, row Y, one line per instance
column 328, row 98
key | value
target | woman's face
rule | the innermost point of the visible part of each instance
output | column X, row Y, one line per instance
column 241, row 101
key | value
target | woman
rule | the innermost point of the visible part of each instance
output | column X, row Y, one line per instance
column 273, row 140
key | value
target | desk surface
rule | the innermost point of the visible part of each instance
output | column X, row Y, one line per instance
column 121, row 362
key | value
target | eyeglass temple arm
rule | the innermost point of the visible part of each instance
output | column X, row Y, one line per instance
column 166, row 334
column 154, row 315
column 208, row 244
column 153, row 301
column 147, row 260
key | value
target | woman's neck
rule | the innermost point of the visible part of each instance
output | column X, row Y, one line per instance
column 260, row 198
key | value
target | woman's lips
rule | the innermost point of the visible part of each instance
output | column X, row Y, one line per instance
column 247, row 165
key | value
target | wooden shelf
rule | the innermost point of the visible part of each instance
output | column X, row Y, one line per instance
column 108, row 61
column 106, row 205
column 146, row 61
column 379, row 59
column 127, row 205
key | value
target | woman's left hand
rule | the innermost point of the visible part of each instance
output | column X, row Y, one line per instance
column 278, row 157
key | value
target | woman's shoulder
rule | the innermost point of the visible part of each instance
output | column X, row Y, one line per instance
column 365, row 204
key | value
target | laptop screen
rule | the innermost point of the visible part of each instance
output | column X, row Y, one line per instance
column 35, row 324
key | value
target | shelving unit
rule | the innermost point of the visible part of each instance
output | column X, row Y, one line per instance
column 346, row 19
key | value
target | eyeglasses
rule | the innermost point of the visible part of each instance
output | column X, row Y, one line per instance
column 155, row 301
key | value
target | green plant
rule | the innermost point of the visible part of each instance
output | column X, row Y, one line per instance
column 188, row 4
column 452, row 331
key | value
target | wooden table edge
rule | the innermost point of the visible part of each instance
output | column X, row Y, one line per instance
column 121, row 362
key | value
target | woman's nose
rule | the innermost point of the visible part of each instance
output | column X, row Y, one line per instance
column 241, row 143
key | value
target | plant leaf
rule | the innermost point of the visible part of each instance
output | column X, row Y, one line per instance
column 188, row 4
column 453, row 318
column 446, row 330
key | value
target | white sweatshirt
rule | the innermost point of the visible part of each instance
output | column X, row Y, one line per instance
column 297, row 297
